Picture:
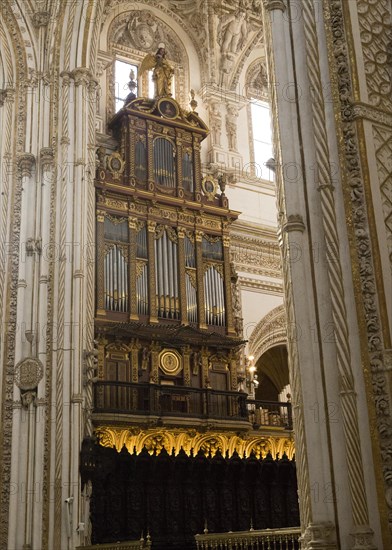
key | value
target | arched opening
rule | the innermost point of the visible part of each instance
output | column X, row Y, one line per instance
column 272, row 373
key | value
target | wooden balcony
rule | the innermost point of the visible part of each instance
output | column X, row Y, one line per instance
column 186, row 403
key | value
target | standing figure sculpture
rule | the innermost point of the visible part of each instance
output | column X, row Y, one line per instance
column 162, row 71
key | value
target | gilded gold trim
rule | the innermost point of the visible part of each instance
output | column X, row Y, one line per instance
column 155, row 439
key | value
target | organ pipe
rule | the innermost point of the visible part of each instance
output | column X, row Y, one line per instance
column 116, row 280
column 214, row 297
column 167, row 288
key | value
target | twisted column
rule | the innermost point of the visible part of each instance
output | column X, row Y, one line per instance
column 343, row 357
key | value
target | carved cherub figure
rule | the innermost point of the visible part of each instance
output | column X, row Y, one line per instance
column 232, row 30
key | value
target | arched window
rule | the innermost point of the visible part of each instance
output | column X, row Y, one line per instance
column 259, row 120
column 262, row 138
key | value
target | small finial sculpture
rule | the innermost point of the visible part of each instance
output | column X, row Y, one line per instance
column 132, row 85
column 193, row 102
column 222, row 183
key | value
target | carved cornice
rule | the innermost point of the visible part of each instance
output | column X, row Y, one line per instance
column 363, row 110
column 262, row 286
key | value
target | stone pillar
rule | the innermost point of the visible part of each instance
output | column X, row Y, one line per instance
column 314, row 468
column 319, row 340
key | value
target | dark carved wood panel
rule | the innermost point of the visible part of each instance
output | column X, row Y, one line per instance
column 176, row 497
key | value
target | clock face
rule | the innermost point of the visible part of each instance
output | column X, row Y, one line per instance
column 168, row 109
column 170, row 362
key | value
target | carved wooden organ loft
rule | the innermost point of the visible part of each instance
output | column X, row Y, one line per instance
column 164, row 315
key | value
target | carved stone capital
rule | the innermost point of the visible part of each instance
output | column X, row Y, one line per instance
column 271, row 5
column 83, row 75
column 7, row 95
column 46, row 157
column 26, row 163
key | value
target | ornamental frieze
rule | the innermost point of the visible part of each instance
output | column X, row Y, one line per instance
column 190, row 440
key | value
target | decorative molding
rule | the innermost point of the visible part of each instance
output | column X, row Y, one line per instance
column 155, row 439
column 373, row 114
column 361, row 240
column 261, row 286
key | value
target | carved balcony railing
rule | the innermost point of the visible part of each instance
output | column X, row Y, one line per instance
column 183, row 401
column 270, row 413
column 267, row 539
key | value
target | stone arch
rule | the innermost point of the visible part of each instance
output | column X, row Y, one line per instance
column 270, row 331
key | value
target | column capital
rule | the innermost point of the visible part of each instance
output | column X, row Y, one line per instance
column 26, row 163
column 272, row 5
column 46, row 157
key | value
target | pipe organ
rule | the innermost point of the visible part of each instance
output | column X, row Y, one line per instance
column 163, row 276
